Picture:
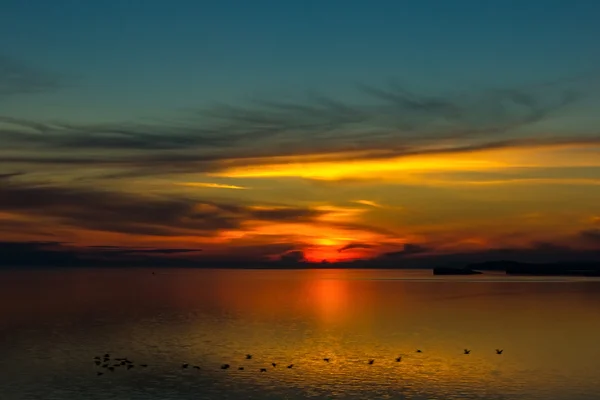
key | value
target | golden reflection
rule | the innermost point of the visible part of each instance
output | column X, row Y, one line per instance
column 210, row 317
column 328, row 291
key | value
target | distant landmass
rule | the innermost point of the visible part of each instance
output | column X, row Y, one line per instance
column 546, row 269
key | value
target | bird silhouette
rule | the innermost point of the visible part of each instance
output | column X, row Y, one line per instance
column 129, row 366
column 107, row 355
column 99, row 373
column 248, row 356
column 184, row 365
column 419, row 351
column 290, row 366
column 274, row 364
column 263, row 370
column 499, row 351
column 398, row 359
column 467, row 351
column 144, row 365
column 371, row 362
column 224, row 366
column 240, row 368
column 326, row 359
column 196, row 367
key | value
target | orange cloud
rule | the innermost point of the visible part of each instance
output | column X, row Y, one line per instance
column 368, row 203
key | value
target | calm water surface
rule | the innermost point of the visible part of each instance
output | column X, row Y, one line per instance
column 52, row 324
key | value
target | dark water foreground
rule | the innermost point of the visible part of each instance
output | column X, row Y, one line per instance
column 53, row 323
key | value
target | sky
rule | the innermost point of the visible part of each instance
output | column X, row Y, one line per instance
column 267, row 132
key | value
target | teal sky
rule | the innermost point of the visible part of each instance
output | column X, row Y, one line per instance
column 120, row 60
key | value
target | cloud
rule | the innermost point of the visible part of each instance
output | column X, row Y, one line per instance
column 10, row 175
column 129, row 213
column 85, row 176
column 591, row 235
column 368, row 203
column 212, row 185
column 16, row 78
column 293, row 257
column 350, row 246
column 36, row 253
column 408, row 250
column 384, row 123
column 124, row 250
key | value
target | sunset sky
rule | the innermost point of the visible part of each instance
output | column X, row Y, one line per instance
column 276, row 131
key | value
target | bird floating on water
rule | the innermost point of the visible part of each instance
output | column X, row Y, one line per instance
column 499, row 351
column 398, row 359
column 290, row 366
column 467, row 351
column 184, row 365
column 371, row 361
column 263, row 370
column 274, row 364
column 224, row 366
column 248, row 356
column 419, row 351
column 326, row 359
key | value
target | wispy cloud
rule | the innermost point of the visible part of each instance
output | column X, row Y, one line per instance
column 351, row 246
column 17, row 78
column 213, row 185
column 409, row 249
column 384, row 124
column 129, row 213
column 368, row 203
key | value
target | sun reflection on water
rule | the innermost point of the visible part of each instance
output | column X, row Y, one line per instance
column 301, row 317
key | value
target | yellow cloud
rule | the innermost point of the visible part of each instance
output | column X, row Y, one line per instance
column 212, row 185
column 399, row 169
column 363, row 168
column 529, row 181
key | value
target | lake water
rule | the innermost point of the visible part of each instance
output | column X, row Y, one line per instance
column 53, row 324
